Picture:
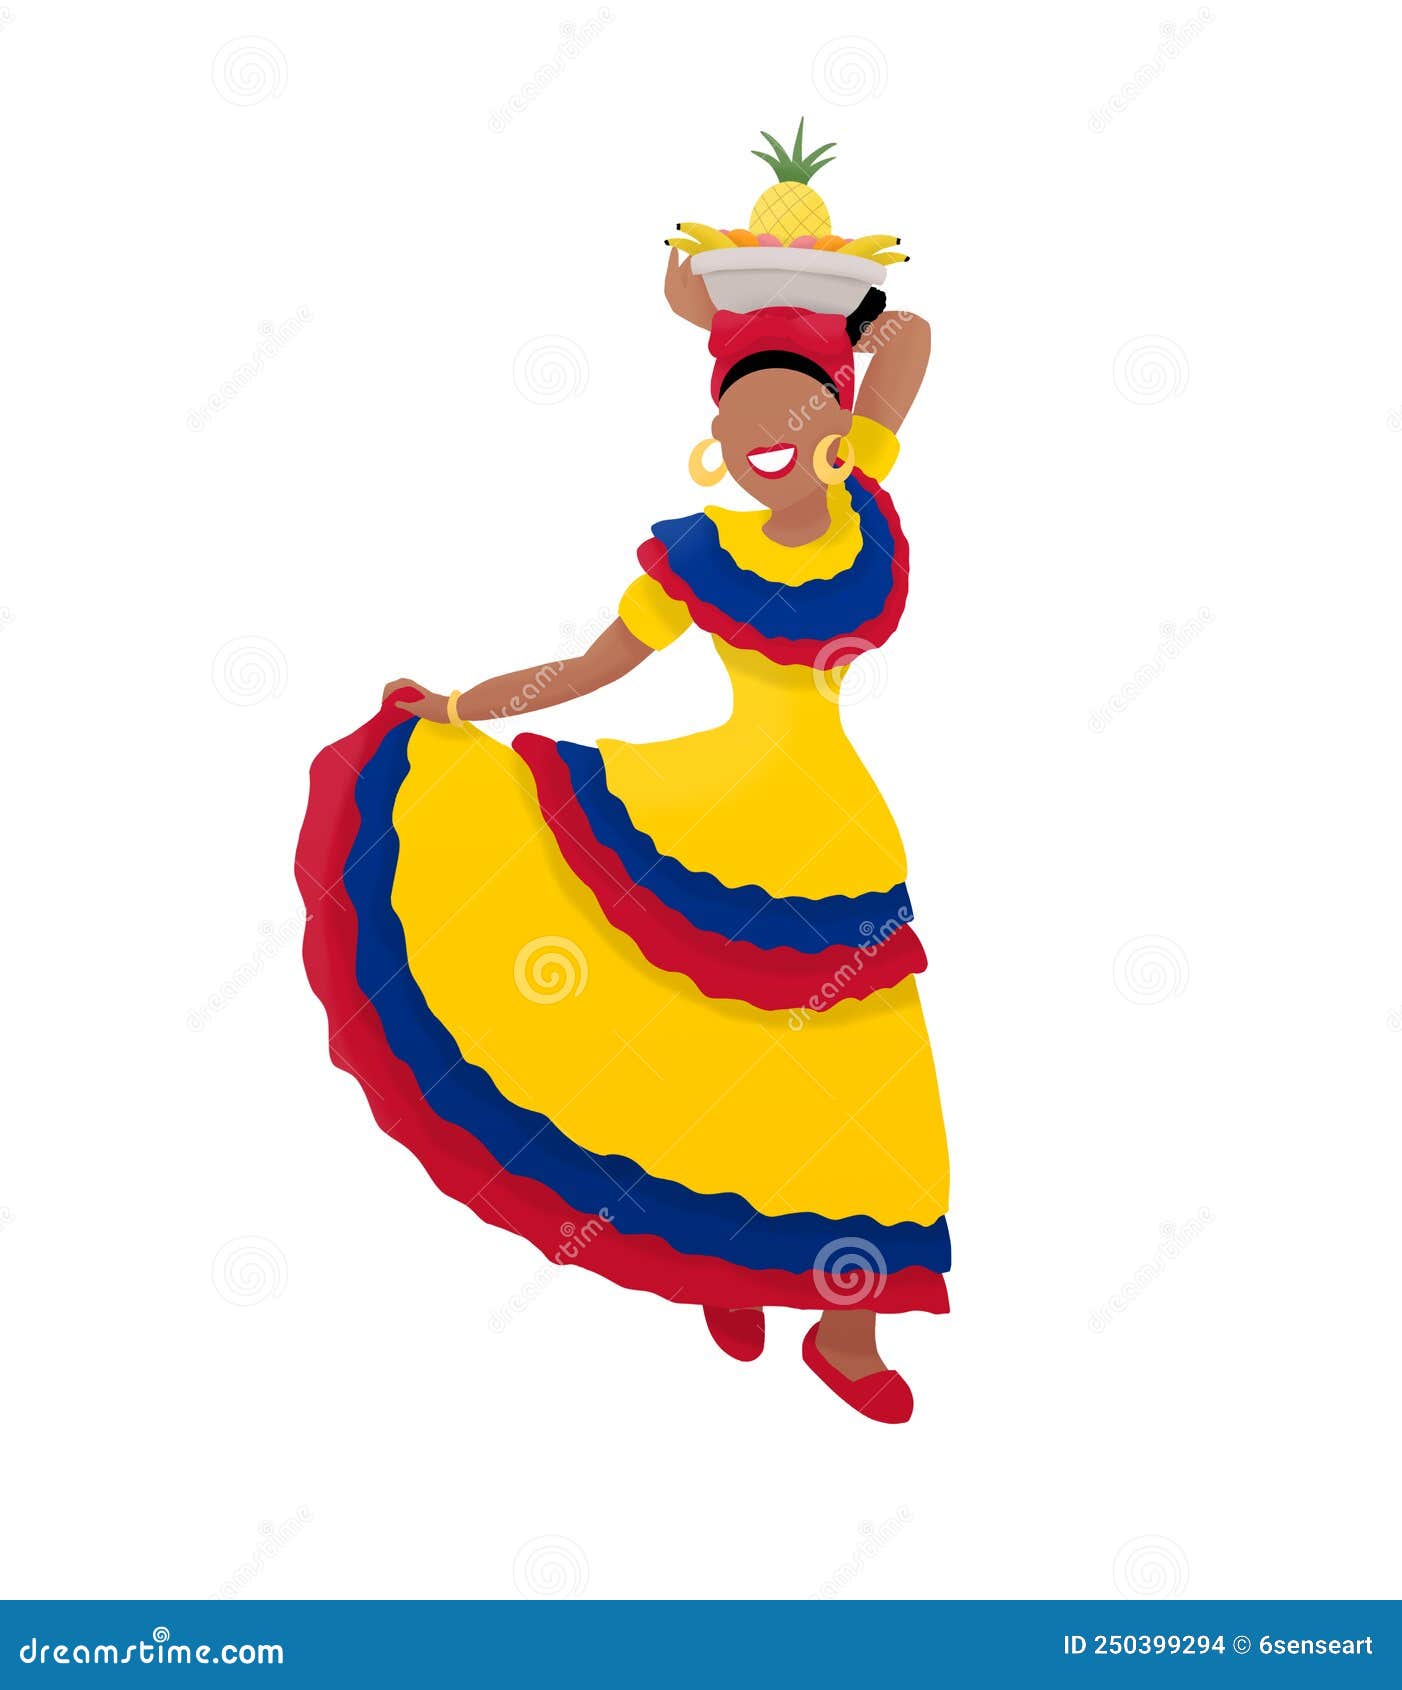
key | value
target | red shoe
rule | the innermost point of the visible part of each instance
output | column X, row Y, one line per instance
column 883, row 1395
column 739, row 1332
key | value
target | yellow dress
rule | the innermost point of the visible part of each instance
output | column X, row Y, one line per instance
column 652, row 1006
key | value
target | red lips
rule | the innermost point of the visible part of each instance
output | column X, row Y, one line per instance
column 772, row 461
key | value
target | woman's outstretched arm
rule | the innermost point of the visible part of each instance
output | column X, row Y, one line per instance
column 611, row 656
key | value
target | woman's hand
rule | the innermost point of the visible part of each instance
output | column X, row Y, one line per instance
column 686, row 292
column 611, row 656
column 430, row 707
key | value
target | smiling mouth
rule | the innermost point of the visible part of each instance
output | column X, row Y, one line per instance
column 772, row 461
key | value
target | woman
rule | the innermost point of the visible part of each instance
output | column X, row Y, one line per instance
column 652, row 1006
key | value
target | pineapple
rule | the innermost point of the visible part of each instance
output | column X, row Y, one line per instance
column 790, row 208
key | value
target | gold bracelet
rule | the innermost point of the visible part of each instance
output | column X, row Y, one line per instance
column 453, row 716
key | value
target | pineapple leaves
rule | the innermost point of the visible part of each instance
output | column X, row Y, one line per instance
column 793, row 166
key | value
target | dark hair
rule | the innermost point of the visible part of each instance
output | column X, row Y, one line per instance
column 778, row 361
column 858, row 322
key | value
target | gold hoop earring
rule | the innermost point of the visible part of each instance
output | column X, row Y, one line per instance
column 829, row 475
column 696, row 466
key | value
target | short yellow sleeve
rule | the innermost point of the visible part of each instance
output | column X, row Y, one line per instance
column 651, row 615
column 874, row 447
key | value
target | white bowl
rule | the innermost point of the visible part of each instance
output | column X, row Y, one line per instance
column 748, row 278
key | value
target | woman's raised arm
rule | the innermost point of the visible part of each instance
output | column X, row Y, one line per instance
column 611, row 656
column 899, row 344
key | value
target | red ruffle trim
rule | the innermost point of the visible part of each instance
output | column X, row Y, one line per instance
column 781, row 978
column 831, row 653
column 454, row 1160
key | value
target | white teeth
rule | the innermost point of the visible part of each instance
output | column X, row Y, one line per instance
column 772, row 459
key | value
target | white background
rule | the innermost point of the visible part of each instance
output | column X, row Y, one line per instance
column 1165, row 967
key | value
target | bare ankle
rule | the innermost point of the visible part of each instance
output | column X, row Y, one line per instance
column 847, row 1339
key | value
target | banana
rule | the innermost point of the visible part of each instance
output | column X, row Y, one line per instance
column 869, row 245
column 688, row 247
column 891, row 257
column 710, row 239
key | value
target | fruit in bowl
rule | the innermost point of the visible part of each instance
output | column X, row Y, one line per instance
column 788, row 255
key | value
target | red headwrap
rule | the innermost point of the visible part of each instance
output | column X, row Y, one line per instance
column 819, row 336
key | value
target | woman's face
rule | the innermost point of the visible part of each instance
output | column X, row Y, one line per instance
column 768, row 425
